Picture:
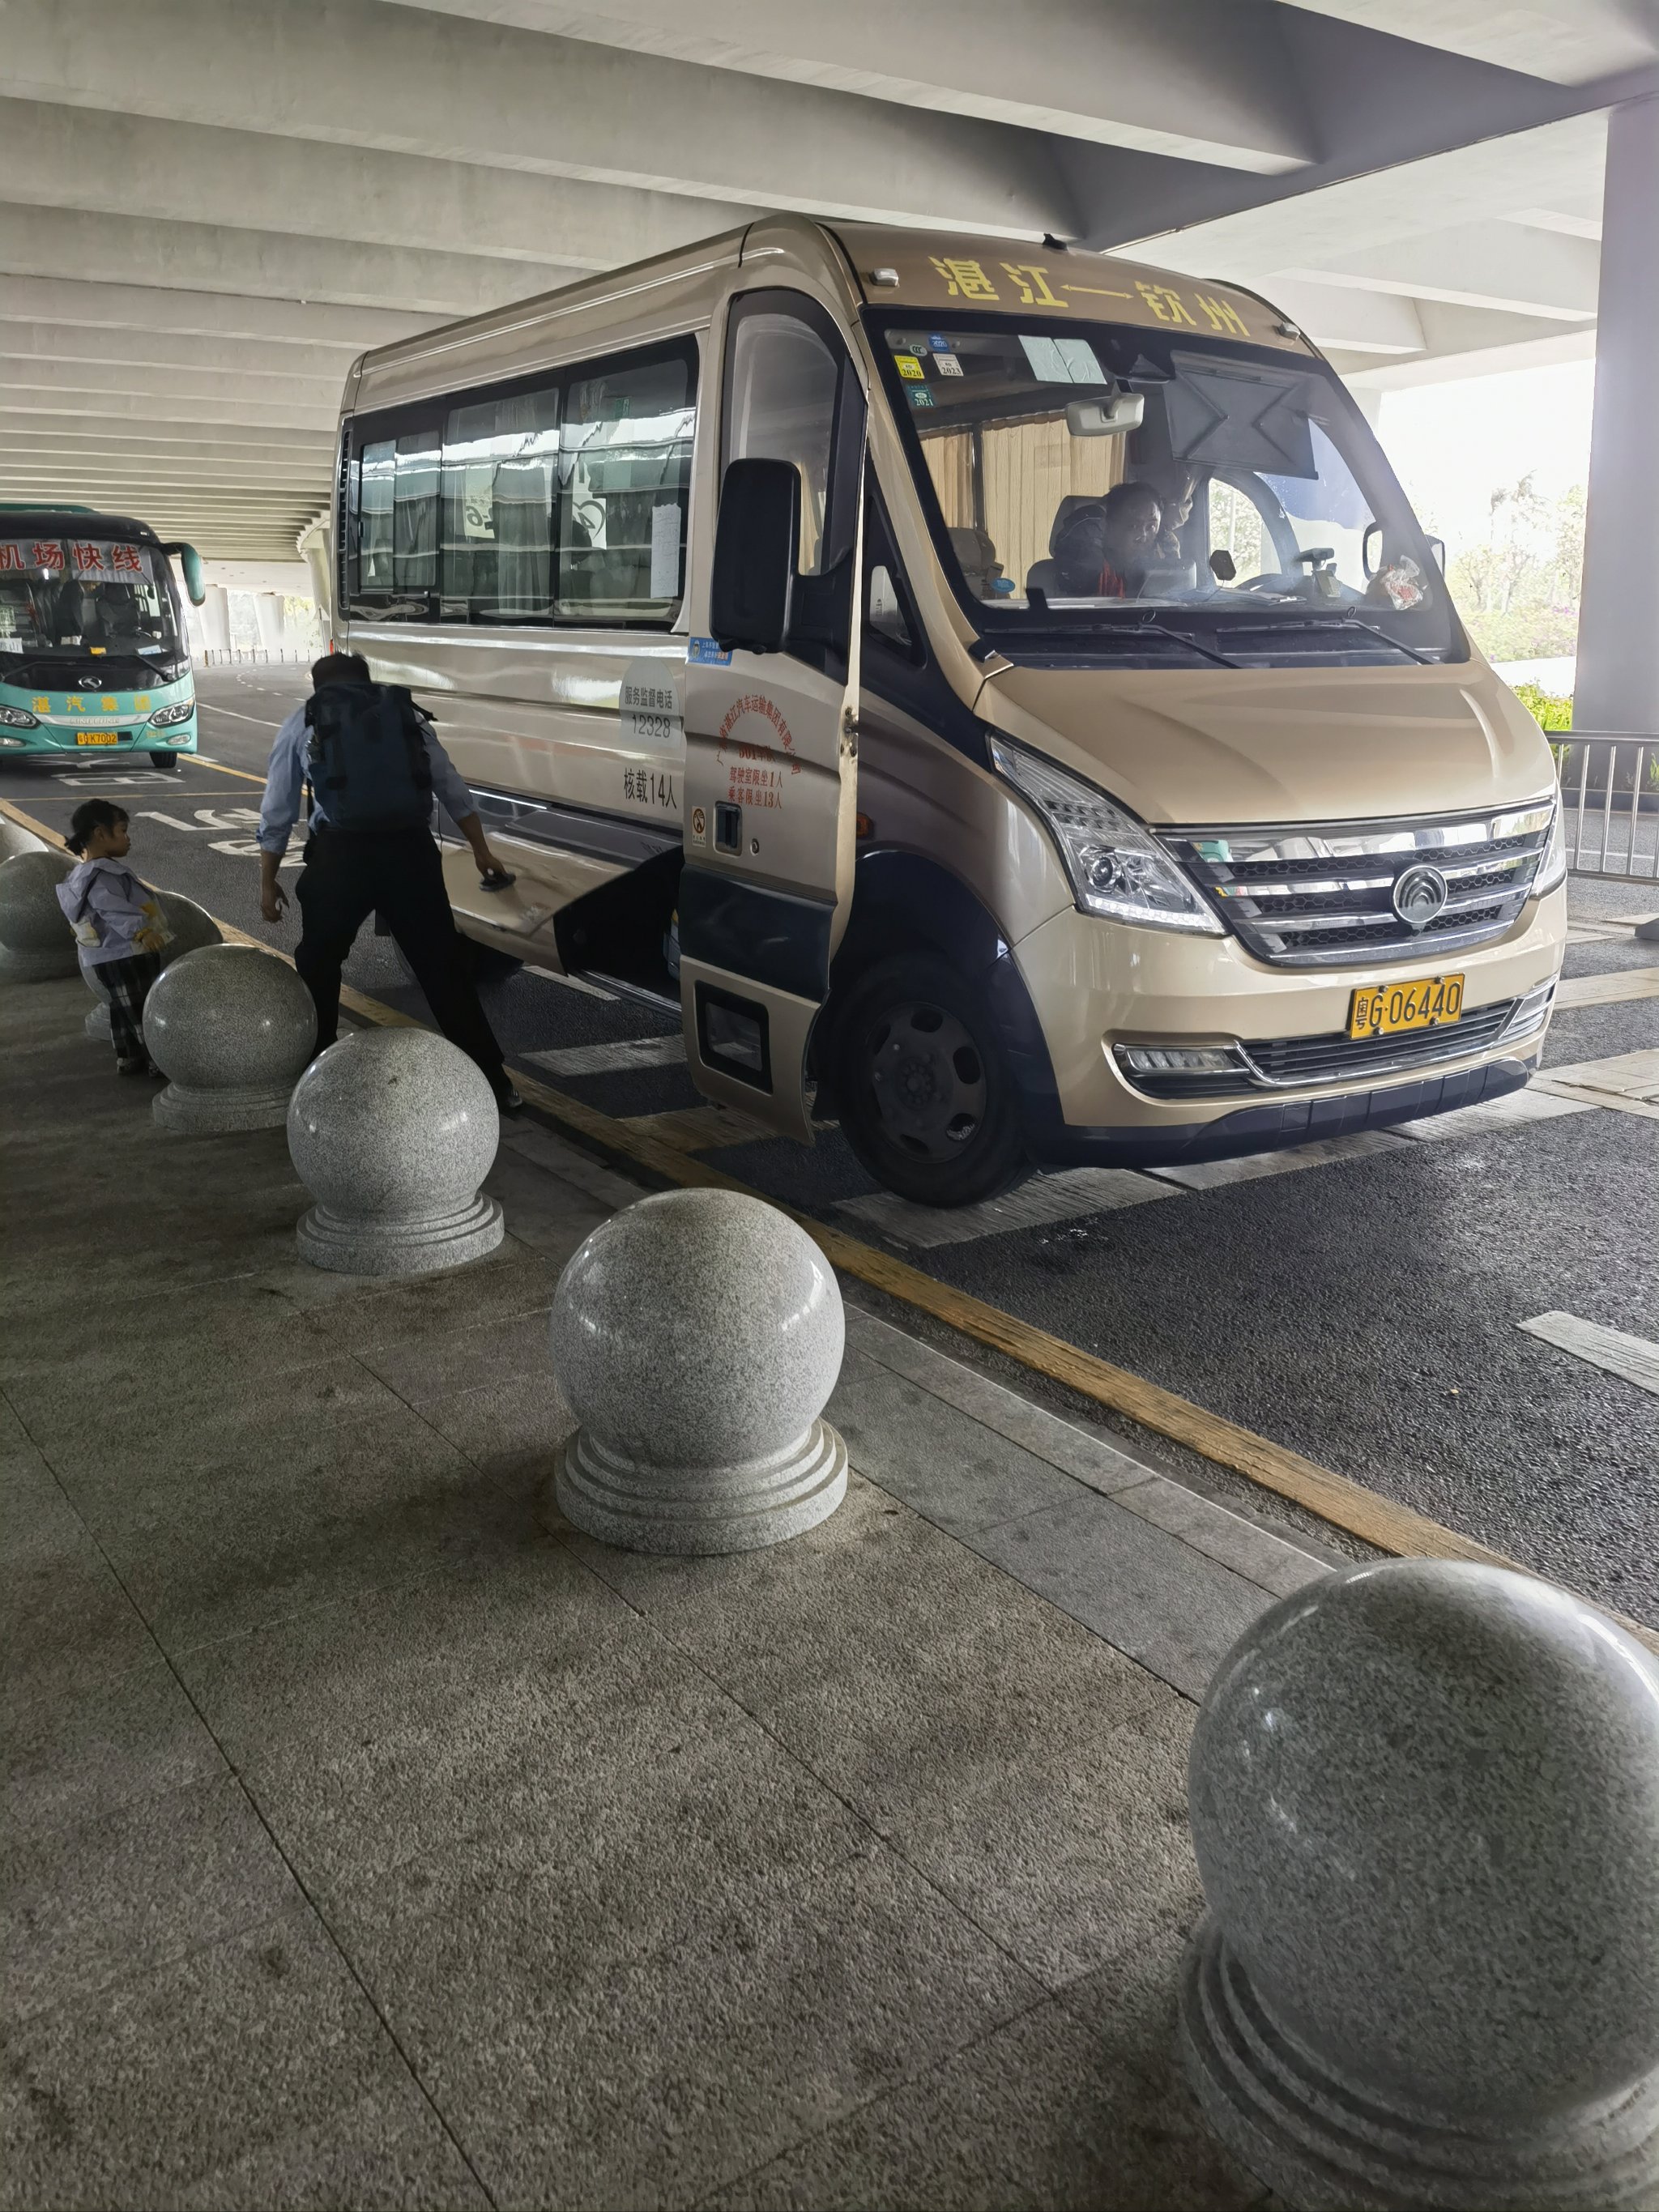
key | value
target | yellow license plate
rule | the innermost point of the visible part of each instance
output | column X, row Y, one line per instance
column 1385, row 1009
column 97, row 737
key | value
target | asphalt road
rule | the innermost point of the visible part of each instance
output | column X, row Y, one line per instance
column 1364, row 1312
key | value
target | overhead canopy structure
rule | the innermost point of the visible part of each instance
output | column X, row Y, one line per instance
column 211, row 210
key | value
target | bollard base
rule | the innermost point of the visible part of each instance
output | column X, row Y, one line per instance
column 49, row 967
column 1317, row 2140
column 200, row 1113
column 700, row 1510
column 364, row 1244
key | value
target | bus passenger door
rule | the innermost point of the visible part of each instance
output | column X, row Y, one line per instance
column 771, row 713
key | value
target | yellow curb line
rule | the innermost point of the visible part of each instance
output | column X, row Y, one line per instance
column 1337, row 1498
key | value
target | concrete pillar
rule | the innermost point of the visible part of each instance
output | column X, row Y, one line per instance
column 267, row 615
column 1369, row 401
column 215, row 614
column 1618, row 680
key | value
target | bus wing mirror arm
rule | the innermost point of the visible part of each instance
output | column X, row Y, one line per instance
column 756, row 537
column 191, row 562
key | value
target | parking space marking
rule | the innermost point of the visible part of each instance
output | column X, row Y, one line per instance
column 1631, row 1357
column 610, row 1059
column 1062, row 1196
column 1520, row 1106
column 1624, row 1074
column 571, row 983
column 1325, row 1152
column 1608, row 990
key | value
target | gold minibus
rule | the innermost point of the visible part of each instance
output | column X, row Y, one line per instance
column 1000, row 694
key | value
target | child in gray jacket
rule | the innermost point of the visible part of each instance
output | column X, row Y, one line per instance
column 117, row 925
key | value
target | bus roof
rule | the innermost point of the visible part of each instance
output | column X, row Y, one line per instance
column 15, row 517
column 914, row 270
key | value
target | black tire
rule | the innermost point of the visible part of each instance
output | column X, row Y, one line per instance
column 925, row 1096
column 169, row 763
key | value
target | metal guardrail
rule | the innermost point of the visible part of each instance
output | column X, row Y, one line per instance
column 211, row 657
column 1610, row 804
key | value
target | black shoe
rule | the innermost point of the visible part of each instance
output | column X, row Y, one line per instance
column 135, row 1067
column 508, row 1101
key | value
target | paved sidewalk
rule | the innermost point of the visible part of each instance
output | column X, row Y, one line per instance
column 371, row 1843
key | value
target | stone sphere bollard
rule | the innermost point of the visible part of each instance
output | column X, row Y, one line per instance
column 1424, row 1797
column 698, row 1336
column 192, row 927
column 230, row 1027
column 15, row 839
column 393, row 1131
column 37, row 944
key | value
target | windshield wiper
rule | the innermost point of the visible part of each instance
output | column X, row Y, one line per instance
column 1101, row 636
column 1334, row 622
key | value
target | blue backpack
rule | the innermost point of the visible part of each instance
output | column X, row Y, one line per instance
column 366, row 759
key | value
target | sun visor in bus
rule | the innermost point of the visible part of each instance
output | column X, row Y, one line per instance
column 1213, row 414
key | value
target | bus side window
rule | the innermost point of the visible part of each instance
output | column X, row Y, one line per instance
column 886, row 610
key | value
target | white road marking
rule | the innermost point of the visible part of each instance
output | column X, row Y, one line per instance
column 1608, row 990
column 1508, row 1113
column 611, row 1058
column 1326, row 1152
column 571, row 983
column 1623, row 1075
column 1631, row 1357
column 213, row 706
column 1059, row 1197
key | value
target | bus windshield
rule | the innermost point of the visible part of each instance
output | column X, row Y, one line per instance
column 1108, row 490
column 63, row 598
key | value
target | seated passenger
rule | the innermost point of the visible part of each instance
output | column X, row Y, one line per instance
column 1100, row 547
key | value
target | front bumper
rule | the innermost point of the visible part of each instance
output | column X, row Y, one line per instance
column 131, row 737
column 1094, row 987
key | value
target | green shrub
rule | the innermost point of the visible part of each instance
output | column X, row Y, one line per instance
column 1548, row 711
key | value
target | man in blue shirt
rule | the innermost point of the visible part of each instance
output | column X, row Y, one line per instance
column 351, row 874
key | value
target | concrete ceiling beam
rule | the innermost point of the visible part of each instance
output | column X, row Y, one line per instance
column 134, row 165
column 205, row 257
column 160, row 407
column 318, row 395
column 1488, row 265
column 1338, row 315
column 366, row 73
column 170, row 438
column 1203, row 80
column 271, row 322
column 68, row 344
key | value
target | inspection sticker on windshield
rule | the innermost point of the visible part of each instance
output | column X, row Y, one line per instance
column 947, row 364
column 910, row 367
column 921, row 396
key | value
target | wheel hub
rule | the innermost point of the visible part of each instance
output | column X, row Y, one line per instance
column 928, row 1080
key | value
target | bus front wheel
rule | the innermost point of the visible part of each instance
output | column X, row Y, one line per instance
column 925, row 1096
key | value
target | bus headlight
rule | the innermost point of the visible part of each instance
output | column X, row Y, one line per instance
column 19, row 717
column 1115, row 868
column 167, row 718
column 1555, row 856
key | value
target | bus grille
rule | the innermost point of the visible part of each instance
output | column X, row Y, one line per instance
column 1323, row 896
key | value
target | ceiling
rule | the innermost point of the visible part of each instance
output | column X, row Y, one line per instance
column 207, row 210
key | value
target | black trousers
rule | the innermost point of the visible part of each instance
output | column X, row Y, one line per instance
column 125, row 985
column 344, row 880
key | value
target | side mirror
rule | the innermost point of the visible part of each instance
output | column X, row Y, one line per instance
column 1437, row 547
column 191, row 562
column 756, row 537
column 1106, row 418
column 1223, row 567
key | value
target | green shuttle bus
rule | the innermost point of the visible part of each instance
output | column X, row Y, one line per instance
column 94, row 657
